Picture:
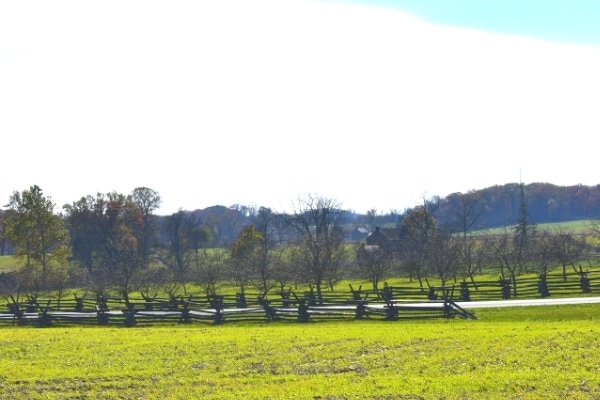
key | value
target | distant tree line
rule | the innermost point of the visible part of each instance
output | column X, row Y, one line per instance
column 115, row 243
column 545, row 203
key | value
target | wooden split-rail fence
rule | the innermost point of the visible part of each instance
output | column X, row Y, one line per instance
column 219, row 309
column 388, row 303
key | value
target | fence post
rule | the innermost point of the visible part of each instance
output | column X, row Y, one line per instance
column 101, row 308
column 543, row 286
column 240, row 300
column 387, row 293
column 356, row 294
column 303, row 315
column 78, row 304
column 432, row 295
column 129, row 314
column 465, row 294
column 391, row 312
column 269, row 311
column 217, row 303
column 185, row 313
column 361, row 310
column 505, row 287
column 16, row 311
column 44, row 319
column 584, row 281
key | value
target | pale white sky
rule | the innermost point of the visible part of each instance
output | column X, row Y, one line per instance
column 259, row 102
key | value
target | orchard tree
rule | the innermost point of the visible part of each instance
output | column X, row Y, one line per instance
column 121, row 254
column 318, row 222
column 37, row 234
column 476, row 253
column 417, row 233
column 209, row 270
column 245, row 255
column 467, row 211
column 569, row 249
column 285, row 270
column 374, row 263
column 445, row 255
column 269, row 255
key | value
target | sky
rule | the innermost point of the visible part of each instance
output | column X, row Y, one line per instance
column 376, row 104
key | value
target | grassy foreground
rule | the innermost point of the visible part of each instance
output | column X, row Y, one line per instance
column 521, row 353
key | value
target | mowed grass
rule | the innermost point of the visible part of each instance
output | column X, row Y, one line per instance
column 520, row 353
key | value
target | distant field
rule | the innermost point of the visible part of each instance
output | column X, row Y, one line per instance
column 570, row 226
column 525, row 353
column 7, row 263
column 580, row 226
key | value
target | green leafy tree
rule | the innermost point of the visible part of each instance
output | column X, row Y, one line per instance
column 147, row 201
column 196, row 236
column 37, row 234
column 179, row 246
column 107, row 240
column 87, row 224
column 123, row 261
column 2, row 232
column 245, row 255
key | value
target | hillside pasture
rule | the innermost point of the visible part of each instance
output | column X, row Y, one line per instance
column 582, row 226
column 536, row 352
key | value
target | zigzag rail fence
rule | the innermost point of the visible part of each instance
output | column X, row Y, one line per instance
column 388, row 303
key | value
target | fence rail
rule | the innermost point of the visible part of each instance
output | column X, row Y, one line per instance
column 390, row 303
column 217, row 310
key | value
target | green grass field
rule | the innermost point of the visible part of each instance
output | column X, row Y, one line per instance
column 7, row 264
column 520, row 353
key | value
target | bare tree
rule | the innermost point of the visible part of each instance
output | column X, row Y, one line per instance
column 445, row 251
column 476, row 253
column 318, row 222
column 568, row 249
column 285, row 267
column 269, row 254
column 209, row 271
column 468, row 210
column 515, row 252
column 417, row 232
column 509, row 256
column 374, row 263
